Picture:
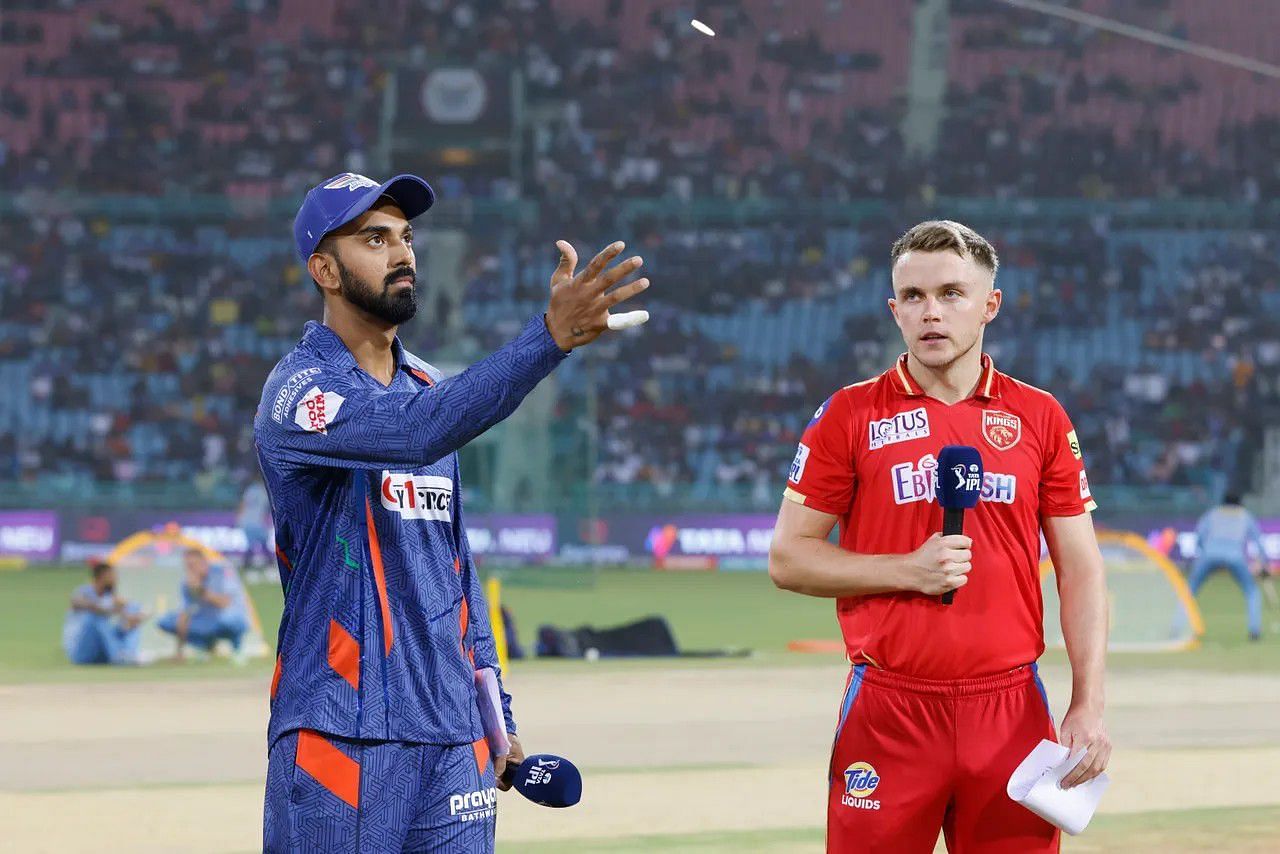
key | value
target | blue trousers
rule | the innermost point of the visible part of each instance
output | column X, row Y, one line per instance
column 329, row 794
column 102, row 640
column 1205, row 566
column 204, row 631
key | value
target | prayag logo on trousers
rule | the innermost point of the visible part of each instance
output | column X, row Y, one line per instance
column 860, row 782
column 474, row 806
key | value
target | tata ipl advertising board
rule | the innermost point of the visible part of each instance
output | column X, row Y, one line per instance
column 504, row 536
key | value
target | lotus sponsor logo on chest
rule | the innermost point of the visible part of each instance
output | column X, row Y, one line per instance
column 918, row 482
column 1001, row 430
column 418, row 496
column 902, row 427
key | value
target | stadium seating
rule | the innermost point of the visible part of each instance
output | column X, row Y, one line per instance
column 132, row 342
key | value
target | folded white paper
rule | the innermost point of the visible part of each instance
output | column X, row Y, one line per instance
column 489, row 702
column 1034, row 784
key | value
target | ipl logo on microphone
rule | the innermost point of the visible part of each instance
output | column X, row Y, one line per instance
column 967, row 477
column 860, row 782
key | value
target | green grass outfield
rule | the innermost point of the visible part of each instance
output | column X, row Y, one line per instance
column 706, row 610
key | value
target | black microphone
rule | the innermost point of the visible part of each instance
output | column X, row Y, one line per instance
column 959, row 484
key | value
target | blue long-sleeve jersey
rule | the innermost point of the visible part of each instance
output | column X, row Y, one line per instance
column 384, row 620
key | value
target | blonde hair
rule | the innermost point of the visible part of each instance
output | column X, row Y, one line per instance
column 938, row 235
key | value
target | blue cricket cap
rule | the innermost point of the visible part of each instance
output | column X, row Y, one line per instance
column 334, row 203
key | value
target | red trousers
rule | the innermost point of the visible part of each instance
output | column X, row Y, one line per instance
column 912, row 757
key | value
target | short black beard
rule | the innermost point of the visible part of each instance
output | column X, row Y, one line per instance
column 393, row 309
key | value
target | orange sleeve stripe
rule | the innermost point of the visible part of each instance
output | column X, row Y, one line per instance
column 330, row 767
column 379, row 577
column 284, row 558
column 275, row 678
column 344, row 654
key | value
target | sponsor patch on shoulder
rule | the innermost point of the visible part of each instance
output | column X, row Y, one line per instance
column 1074, row 444
column 289, row 393
column 317, row 410
column 798, row 464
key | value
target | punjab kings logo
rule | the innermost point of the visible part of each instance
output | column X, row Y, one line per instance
column 860, row 782
column 1001, row 430
column 418, row 496
column 317, row 409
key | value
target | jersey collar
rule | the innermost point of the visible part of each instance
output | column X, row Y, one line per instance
column 334, row 351
column 903, row 383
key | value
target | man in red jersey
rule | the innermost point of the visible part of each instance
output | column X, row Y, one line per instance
column 943, row 701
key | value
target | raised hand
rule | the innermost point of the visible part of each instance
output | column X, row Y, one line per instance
column 579, row 308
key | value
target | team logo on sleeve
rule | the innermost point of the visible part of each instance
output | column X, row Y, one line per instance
column 317, row 409
column 1001, row 430
column 860, row 783
column 902, row 427
column 797, row 465
column 1074, row 444
column 418, row 496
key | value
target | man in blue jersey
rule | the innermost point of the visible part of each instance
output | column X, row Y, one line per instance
column 213, row 607
column 1223, row 538
column 101, row 627
column 375, row 741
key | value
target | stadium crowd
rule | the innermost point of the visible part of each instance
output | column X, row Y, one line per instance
column 133, row 346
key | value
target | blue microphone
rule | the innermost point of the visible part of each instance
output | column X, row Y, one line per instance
column 959, row 475
column 547, row 780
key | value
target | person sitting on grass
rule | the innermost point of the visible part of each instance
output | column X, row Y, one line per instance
column 101, row 627
column 212, row 609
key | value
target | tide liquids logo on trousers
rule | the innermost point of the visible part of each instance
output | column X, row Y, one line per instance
column 860, row 782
